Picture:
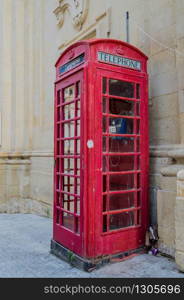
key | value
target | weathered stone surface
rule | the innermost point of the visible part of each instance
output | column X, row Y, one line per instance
column 164, row 131
column 179, row 258
column 166, row 222
column 156, row 163
column 20, row 205
column 179, row 221
column 168, row 183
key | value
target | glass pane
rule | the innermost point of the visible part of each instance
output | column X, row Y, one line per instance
column 58, row 130
column 78, row 127
column 57, row 164
column 104, row 223
column 104, row 144
column 68, row 129
column 58, row 147
column 104, row 203
column 78, row 205
column 121, row 220
column 69, row 111
column 139, row 199
column 121, row 144
column 58, row 182
column 104, row 164
column 68, row 202
column 78, row 108
column 138, row 145
column 78, row 89
column 68, row 165
column 104, row 124
column 138, row 126
column 138, row 91
column 121, row 182
column 69, row 93
column 121, row 88
column 78, row 186
column 68, row 184
column 59, row 97
column 121, row 107
column 71, row 166
column 137, row 162
column 59, row 113
column 104, row 183
column 78, row 146
column 121, row 201
column 121, row 163
column 138, row 180
column 68, row 221
column 104, row 105
column 58, row 199
column 104, row 82
column 138, row 109
column 78, row 166
column 121, row 126
column 68, row 147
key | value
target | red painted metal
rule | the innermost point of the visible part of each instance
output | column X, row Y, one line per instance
column 101, row 207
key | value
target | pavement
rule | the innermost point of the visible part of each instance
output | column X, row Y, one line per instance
column 25, row 252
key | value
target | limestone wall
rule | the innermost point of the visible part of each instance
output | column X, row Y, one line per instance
column 179, row 221
column 33, row 33
column 28, row 53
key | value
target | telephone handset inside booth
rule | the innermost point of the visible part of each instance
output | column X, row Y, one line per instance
column 121, row 108
column 118, row 126
column 121, row 125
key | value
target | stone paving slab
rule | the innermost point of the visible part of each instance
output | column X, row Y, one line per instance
column 25, row 252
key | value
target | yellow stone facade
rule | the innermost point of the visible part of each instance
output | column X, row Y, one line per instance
column 33, row 33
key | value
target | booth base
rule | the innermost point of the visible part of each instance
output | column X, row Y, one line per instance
column 86, row 264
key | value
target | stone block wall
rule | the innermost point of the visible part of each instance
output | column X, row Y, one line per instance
column 32, row 38
column 179, row 221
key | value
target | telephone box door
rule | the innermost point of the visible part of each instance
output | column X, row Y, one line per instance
column 68, row 174
column 122, row 200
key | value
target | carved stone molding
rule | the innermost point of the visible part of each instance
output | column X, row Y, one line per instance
column 78, row 10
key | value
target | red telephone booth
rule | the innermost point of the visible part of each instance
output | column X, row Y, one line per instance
column 101, row 152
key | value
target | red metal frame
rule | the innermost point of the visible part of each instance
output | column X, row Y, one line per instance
column 131, row 237
column 94, row 239
column 70, row 238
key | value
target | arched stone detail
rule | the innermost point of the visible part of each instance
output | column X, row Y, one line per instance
column 77, row 8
